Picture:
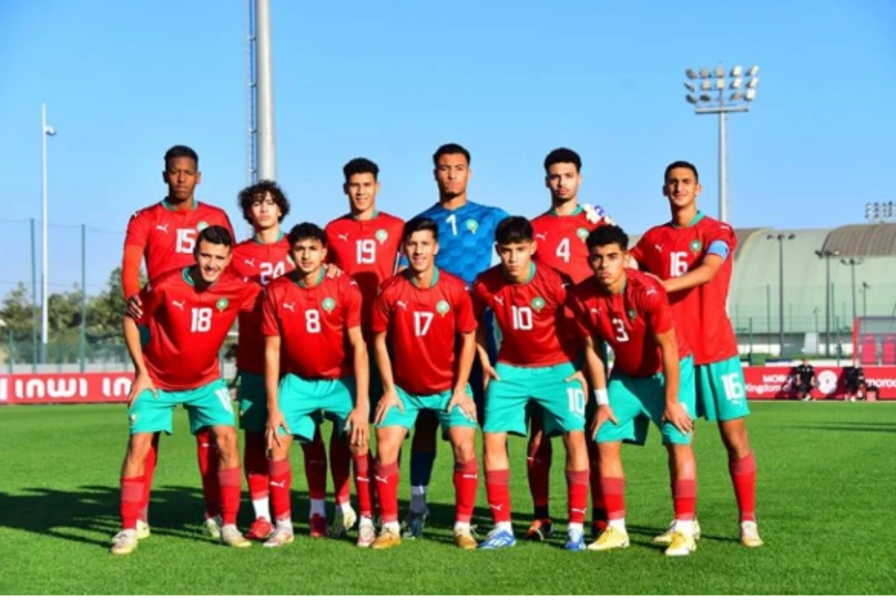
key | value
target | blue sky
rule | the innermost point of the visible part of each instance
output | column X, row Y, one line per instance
column 394, row 80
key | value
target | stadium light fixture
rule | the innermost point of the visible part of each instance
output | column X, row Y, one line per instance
column 880, row 212
column 690, row 86
column 781, row 237
column 46, row 133
column 827, row 254
column 714, row 100
column 852, row 262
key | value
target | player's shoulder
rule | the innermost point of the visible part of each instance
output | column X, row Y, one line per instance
column 655, row 232
column 338, row 223
column 487, row 211
column 389, row 220
column 643, row 286
column 491, row 278
column 585, row 289
column 280, row 283
column 552, row 276
column 542, row 219
column 210, row 209
column 393, row 286
column 167, row 279
column 452, row 282
column 147, row 212
column 710, row 224
column 344, row 282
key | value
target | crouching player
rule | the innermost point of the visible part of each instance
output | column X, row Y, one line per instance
column 652, row 380
column 420, row 313
column 188, row 313
column 315, row 322
column 535, row 363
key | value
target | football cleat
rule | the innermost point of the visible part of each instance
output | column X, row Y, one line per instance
column 575, row 541
column 142, row 530
column 610, row 539
column 498, row 538
column 413, row 525
column 666, row 536
column 749, row 535
column 540, row 530
column 387, row 539
column 282, row 536
column 213, row 526
column 231, row 536
column 125, row 542
column 319, row 527
column 342, row 522
column 463, row 539
column 366, row 534
column 682, row 544
column 261, row 529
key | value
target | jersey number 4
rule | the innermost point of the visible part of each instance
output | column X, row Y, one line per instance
column 563, row 250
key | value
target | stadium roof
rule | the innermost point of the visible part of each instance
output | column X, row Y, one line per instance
column 863, row 240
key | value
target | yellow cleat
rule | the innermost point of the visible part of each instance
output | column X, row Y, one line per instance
column 610, row 539
column 125, row 542
column 386, row 539
column 749, row 535
column 463, row 539
column 665, row 538
column 682, row 544
column 142, row 530
column 231, row 536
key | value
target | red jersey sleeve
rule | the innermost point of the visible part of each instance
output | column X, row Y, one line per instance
column 253, row 297
column 578, row 315
column 138, row 231
column 466, row 319
column 352, row 300
column 381, row 312
column 269, row 323
column 655, row 305
column 479, row 298
column 151, row 297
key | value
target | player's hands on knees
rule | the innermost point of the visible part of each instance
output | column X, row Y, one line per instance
column 390, row 398
column 135, row 307
column 677, row 415
column 488, row 374
column 272, row 431
column 357, row 424
column 463, row 401
column 141, row 383
column 580, row 377
column 333, row 271
column 604, row 414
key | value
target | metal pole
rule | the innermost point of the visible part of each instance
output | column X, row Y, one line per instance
column 768, row 312
column 82, row 338
column 827, row 306
column 33, row 300
column 723, row 195
column 852, row 268
column 864, row 300
column 45, row 262
column 267, row 167
column 781, row 293
column 9, row 348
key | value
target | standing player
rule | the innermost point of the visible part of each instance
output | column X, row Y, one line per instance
column 693, row 255
column 561, row 234
column 312, row 326
column 164, row 235
column 420, row 314
column 188, row 313
column 364, row 244
column 466, row 234
column 534, row 363
column 652, row 380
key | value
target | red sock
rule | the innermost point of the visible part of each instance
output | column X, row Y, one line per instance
column 207, row 453
column 577, row 490
column 230, row 483
column 538, row 463
column 614, row 496
column 340, row 468
column 131, row 501
column 466, row 484
column 362, row 485
column 743, row 476
column 281, row 482
column 497, row 488
column 387, row 490
column 684, row 498
column 316, row 467
column 256, row 464
column 149, row 469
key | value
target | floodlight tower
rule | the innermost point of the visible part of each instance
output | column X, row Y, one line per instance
column 713, row 87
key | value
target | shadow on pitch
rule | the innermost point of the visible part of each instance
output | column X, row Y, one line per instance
column 853, row 427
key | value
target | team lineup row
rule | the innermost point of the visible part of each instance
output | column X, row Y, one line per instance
column 326, row 329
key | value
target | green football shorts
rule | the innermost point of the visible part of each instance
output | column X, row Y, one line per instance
column 208, row 406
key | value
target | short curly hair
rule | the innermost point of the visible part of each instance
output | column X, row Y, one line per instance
column 249, row 195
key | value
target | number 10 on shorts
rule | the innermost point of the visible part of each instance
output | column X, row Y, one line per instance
column 576, row 401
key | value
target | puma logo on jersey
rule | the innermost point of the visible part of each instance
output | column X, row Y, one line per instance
column 278, row 484
column 650, row 292
column 541, row 236
column 163, row 227
column 381, row 479
column 291, row 306
column 658, row 247
column 402, row 304
column 578, row 510
column 499, row 300
column 595, row 311
column 249, row 261
column 178, row 303
column 343, row 237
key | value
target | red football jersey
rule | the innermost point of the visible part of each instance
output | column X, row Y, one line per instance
column 367, row 251
column 187, row 327
column 423, row 326
column 628, row 321
column 261, row 263
column 313, row 324
column 167, row 236
column 532, row 317
column 669, row 251
column 561, row 240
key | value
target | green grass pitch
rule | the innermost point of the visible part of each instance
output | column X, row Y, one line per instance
column 826, row 506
